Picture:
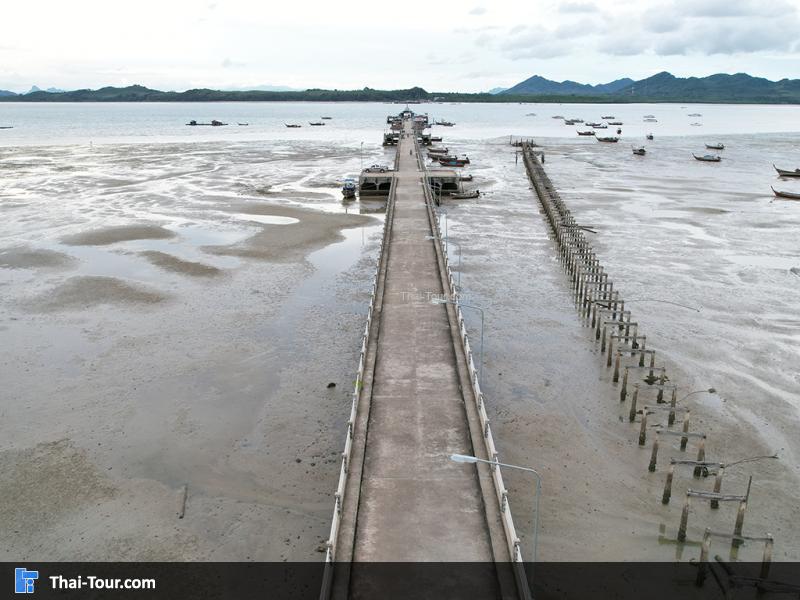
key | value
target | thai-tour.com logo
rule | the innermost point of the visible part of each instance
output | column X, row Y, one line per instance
column 24, row 580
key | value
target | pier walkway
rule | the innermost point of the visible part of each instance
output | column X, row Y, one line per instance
column 402, row 499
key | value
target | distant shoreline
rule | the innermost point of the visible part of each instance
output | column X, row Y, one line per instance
column 140, row 94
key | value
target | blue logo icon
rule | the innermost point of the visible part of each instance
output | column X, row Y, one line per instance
column 24, row 580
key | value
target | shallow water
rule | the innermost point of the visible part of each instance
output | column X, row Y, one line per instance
column 212, row 368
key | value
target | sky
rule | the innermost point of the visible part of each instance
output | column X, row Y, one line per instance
column 470, row 46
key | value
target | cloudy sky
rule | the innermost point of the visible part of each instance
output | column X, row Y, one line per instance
column 446, row 46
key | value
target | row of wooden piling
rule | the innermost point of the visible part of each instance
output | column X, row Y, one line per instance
column 602, row 308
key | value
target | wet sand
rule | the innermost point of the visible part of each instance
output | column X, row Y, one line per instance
column 222, row 385
column 161, row 337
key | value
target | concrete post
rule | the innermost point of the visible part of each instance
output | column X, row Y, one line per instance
column 766, row 561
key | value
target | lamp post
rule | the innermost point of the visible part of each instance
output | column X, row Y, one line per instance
column 708, row 391
column 463, row 458
column 458, row 245
column 462, row 305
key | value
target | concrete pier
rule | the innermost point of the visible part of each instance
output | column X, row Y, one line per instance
column 404, row 500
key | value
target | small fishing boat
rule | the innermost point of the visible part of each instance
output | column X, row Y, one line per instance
column 531, row 115
column 326, row 118
column 6, row 127
column 603, row 126
column 615, row 123
column 316, row 123
column 650, row 120
column 595, row 125
column 349, row 189
column 243, row 124
column 785, row 173
column 694, row 115
column 577, row 120
column 437, row 151
column 640, row 151
column 465, row 177
column 610, row 140
column 466, row 195
column 292, row 125
column 649, row 117
column 586, row 133
column 213, row 123
column 696, row 124
column 788, row 195
column 557, row 117
column 715, row 146
column 649, row 136
column 608, row 117
column 569, row 122
column 444, row 123
column 452, row 162
column 436, row 138
column 708, row 157
column 619, row 130
column 461, row 159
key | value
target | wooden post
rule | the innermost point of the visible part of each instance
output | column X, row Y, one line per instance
column 684, row 520
column 701, row 456
column 615, row 379
column 643, row 428
column 737, row 528
column 653, row 455
column 685, row 439
column 624, row 391
column 766, row 561
column 663, row 381
column 718, row 485
column 632, row 413
column 672, row 404
column 668, row 485
column 702, row 565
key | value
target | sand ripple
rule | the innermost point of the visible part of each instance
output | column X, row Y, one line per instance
column 85, row 292
column 178, row 265
column 31, row 258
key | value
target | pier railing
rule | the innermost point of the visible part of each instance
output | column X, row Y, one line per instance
column 501, row 493
column 331, row 544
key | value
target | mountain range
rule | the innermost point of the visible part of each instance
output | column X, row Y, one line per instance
column 665, row 87
column 662, row 87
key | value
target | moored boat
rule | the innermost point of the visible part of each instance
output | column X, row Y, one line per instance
column 608, row 117
column 349, row 189
column 649, row 136
column 785, row 173
column 316, row 123
column 437, row 150
column 639, row 151
column 292, row 125
column 788, row 195
column 708, row 157
column 715, row 146
column 586, row 133
column 610, row 140
column 466, row 195
column 326, row 118
column 467, row 177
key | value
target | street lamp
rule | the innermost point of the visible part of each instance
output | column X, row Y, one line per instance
column 462, row 305
column 708, row 391
column 463, row 458
column 458, row 245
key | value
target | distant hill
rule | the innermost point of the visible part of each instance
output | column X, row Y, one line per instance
column 50, row 90
column 665, row 87
column 497, row 90
column 662, row 87
column 6, row 93
column 541, row 86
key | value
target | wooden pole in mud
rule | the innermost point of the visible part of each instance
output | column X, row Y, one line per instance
column 632, row 413
column 668, row 484
column 702, row 565
column 654, row 454
column 718, row 485
column 684, row 520
column 701, row 456
column 643, row 427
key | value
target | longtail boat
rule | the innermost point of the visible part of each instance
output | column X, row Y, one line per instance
column 716, row 146
column 787, row 195
column 586, row 133
column 611, row 140
column 785, row 173
column 708, row 157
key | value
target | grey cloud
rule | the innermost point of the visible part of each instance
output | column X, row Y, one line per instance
column 661, row 21
column 535, row 42
column 623, row 46
column 731, row 37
